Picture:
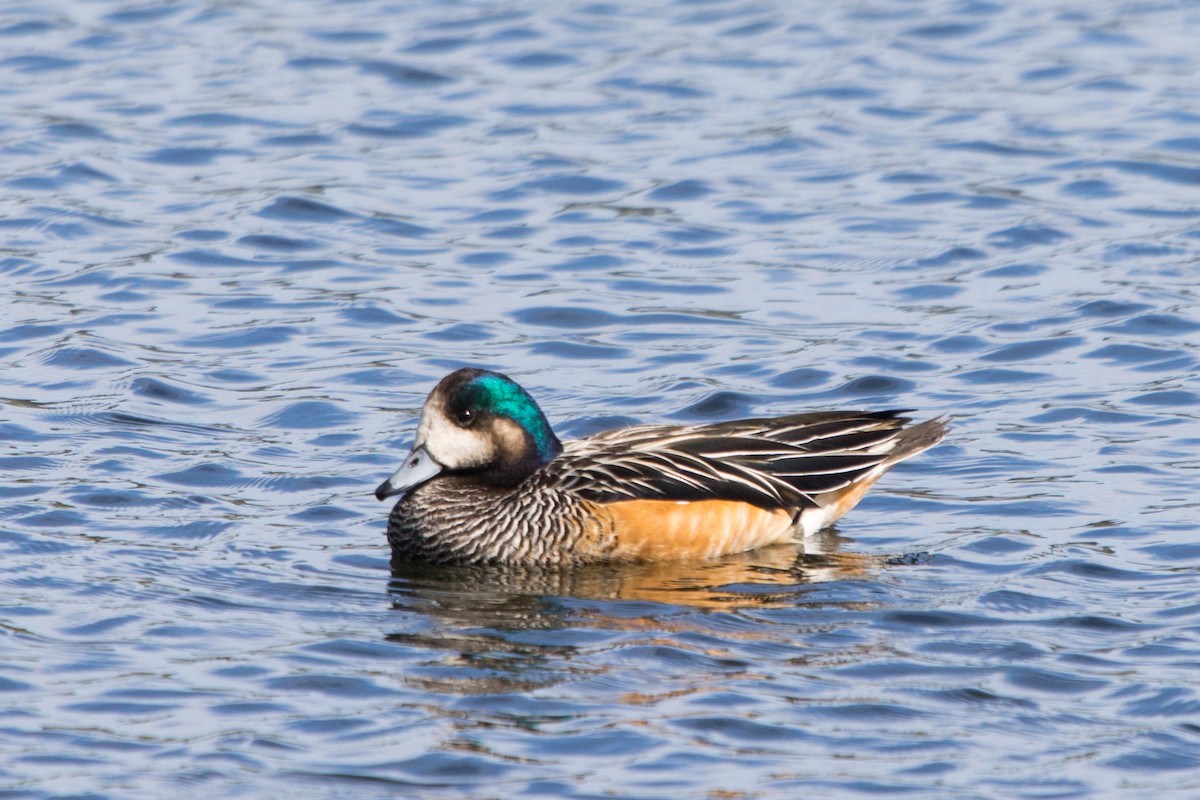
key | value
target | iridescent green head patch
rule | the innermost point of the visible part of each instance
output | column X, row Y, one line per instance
column 502, row 397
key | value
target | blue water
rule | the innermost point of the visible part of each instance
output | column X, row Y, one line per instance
column 241, row 241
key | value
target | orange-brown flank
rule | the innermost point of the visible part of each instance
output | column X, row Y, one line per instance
column 662, row 529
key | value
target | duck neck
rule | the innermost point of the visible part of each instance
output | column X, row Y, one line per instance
column 525, row 449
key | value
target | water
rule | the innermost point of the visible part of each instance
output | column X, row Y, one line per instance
column 242, row 241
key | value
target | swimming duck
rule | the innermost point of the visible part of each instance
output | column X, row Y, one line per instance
column 488, row 481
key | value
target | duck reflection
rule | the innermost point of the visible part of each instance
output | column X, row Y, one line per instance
column 508, row 628
column 532, row 597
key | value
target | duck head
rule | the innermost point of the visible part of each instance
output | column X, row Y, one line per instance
column 478, row 423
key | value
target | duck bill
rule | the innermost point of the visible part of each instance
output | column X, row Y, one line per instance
column 418, row 467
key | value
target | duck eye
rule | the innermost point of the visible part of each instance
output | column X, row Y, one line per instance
column 466, row 417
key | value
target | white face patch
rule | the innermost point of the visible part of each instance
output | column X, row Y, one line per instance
column 451, row 446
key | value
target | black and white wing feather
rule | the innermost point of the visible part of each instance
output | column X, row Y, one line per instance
column 772, row 463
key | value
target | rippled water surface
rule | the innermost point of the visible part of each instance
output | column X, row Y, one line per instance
column 241, row 241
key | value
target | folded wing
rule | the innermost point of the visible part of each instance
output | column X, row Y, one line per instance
column 777, row 463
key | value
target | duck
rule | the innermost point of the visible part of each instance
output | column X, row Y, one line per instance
column 487, row 481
